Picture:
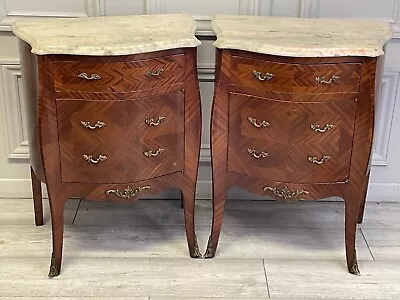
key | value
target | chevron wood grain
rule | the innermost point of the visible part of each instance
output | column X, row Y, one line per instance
column 277, row 114
column 137, row 113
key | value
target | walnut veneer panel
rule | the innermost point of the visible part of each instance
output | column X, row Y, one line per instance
column 270, row 137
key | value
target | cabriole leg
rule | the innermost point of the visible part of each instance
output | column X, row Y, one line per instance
column 188, row 202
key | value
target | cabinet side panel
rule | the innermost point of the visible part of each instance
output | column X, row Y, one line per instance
column 30, row 79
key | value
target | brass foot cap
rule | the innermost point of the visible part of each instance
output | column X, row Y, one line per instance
column 354, row 269
column 54, row 272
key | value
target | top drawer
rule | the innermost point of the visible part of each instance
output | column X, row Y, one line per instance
column 296, row 78
column 122, row 76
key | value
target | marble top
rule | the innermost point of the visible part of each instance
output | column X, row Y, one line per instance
column 301, row 37
column 108, row 35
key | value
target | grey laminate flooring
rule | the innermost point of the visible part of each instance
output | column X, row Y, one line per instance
column 267, row 250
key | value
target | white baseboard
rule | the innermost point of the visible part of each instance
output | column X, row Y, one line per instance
column 377, row 192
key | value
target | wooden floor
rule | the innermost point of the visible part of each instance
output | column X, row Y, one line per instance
column 267, row 250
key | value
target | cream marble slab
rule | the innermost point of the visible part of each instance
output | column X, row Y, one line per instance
column 300, row 37
column 111, row 35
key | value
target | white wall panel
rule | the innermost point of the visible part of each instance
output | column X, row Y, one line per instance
column 45, row 8
column 357, row 8
column 286, row 8
column 203, row 7
column 122, row 7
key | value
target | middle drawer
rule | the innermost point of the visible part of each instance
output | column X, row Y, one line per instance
column 121, row 141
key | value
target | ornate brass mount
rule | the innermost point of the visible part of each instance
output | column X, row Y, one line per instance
column 321, row 79
column 254, row 123
column 314, row 160
column 91, row 77
column 152, row 153
column 265, row 77
column 127, row 193
column 257, row 155
column 152, row 122
column 99, row 124
column 90, row 159
column 156, row 73
column 54, row 269
column 317, row 128
column 195, row 253
column 285, row 193
column 210, row 251
column 353, row 269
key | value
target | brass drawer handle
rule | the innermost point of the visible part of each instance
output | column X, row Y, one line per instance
column 152, row 153
column 152, row 122
column 321, row 79
column 98, row 124
column 156, row 73
column 259, row 76
column 314, row 160
column 254, row 123
column 258, row 156
column 127, row 193
column 317, row 128
column 91, row 77
column 90, row 159
column 285, row 193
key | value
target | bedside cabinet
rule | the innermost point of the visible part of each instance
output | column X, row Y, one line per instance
column 293, row 112
column 114, row 117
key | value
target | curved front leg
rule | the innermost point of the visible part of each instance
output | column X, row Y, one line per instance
column 188, row 202
column 351, row 208
column 57, row 203
column 219, row 197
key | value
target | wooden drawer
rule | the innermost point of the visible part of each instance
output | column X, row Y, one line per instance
column 96, row 75
column 127, row 131
column 296, row 78
column 290, row 135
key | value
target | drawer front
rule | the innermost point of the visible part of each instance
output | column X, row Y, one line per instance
column 301, row 142
column 121, row 141
column 98, row 76
column 296, row 78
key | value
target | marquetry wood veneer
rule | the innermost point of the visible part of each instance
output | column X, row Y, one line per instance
column 112, row 128
column 293, row 128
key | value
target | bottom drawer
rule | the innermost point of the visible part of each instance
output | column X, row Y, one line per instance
column 125, row 141
column 290, row 141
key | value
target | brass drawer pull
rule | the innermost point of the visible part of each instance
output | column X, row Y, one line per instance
column 98, row 124
column 317, row 128
column 156, row 73
column 254, row 123
column 285, row 193
column 91, row 77
column 321, row 79
column 258, row 156
column 314, row 160
column 90, row 159
column 152, row 122
column 259, row 76
column 152, row 153
column 128, row 192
